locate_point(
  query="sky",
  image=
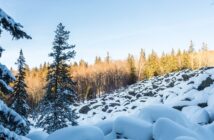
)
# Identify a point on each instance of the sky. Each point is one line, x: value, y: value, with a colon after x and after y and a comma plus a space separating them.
x: 119, y: 27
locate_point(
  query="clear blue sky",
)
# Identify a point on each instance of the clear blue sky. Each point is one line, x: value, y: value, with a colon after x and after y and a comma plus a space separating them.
x: 117, y: 26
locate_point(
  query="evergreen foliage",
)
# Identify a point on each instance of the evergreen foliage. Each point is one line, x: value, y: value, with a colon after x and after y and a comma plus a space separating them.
x: 133, y: 75
x: 20, y: 97
x: 8, y: 117
x: 60, y: 94
x: 7, y: 23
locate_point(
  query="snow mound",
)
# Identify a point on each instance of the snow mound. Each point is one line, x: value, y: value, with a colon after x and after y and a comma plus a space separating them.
x: 37, y: 135
x: 185, y: 138
x: 132, y: 128
x: 196, y: 114
x: 166, y: 129
x: 154, y: 112
x: 77, y: 133
x: 105, y: 126
x: 154, y: 122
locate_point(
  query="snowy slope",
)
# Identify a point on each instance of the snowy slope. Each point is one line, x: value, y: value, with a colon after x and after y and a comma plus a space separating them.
x: 187, y: 91
x: 177, y: 106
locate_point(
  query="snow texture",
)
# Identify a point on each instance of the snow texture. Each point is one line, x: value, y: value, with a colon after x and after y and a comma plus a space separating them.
x: 177, y: 106
x: 37, y: 135
x: 77, y: 133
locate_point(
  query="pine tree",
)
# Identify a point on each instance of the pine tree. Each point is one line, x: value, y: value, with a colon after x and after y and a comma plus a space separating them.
x: 132, y: 69
x: 108, y: 58
x: 20, y: 97
x: 9, y: 119
x: 204, y: 47
x: 98, y: 60
x: 190, y: 54
x: 60, y: 93
x: 142, y: 61
x: 191, y: 47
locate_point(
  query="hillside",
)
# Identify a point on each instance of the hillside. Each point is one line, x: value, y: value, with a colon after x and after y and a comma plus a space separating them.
x: 180, y: 103
x: 178, y: 90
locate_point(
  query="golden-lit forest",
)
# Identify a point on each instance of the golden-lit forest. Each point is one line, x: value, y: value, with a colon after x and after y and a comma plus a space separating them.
x: 106, y: 75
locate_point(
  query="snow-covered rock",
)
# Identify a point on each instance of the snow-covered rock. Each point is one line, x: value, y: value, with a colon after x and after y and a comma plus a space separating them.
x: 166, y: 129
x: 154, y: 112
x: 196, y: 114
x: 77, y: 133
x: 177, y: 90
x: 177, y: 106
x: 132, y: 128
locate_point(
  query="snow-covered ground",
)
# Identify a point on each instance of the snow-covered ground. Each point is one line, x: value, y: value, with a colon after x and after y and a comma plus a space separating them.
x: 177, y: 106
x: 191, y: 92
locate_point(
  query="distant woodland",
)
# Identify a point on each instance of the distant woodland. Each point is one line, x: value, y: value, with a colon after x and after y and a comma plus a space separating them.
x: 106, y: 75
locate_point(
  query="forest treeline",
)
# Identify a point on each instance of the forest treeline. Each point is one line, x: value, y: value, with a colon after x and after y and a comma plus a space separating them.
x: 106, y: 75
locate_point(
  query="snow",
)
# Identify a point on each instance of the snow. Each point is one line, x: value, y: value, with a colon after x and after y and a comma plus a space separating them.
x: 9, y: 134
x: 8, y: 18
x: 184, y: 138
x: 106, y: 126
x: 10, y: 21
x: 150, y: 109
x: 211, y: 101
x: 6, y: 86
x: 158, y: 90
x: 10, y: 112
x: 166, y: 129
x: 158, y: 122
x: 37, y: 135
x: 6, y: 71
x: 133, y: 128
x: 77, y: 133
x: 196, y: 114
x: 6, y: 74
x: 154, y: 112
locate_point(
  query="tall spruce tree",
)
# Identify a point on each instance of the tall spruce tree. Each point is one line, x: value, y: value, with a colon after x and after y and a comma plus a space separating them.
x: 60, y: 93
x: 19, y: 100
x: 9, y: 119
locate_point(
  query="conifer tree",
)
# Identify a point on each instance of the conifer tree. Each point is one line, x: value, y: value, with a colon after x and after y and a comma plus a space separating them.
x: 19, y: 100
x: 132, y: 68
x: 98, y: 60
x: 9, y: 119
x: 108, y: 58
x: 204, y: 47
x: 191, y: 47
x: 60, y: 93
